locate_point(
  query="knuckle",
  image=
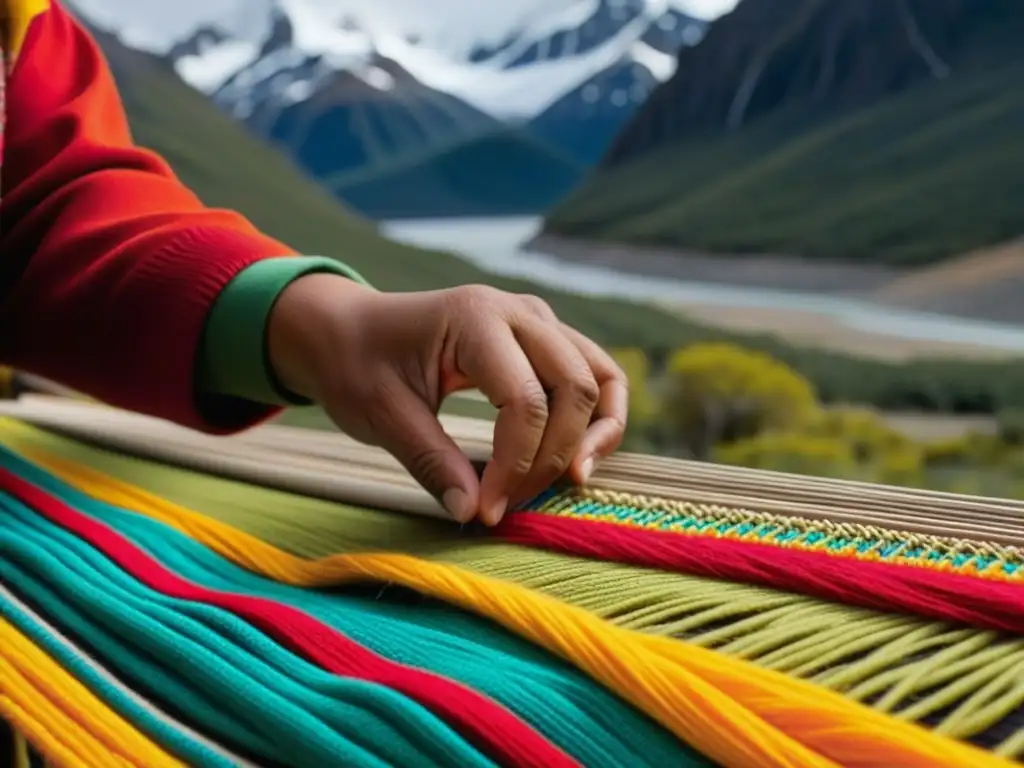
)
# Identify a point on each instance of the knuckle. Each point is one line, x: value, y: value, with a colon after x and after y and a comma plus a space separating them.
x: 584, y: 391
x: 557, y: 463
x: 522, y: 466
x: 475, y: 297
x: 537, y: 305
x: 427, y: 465
x: 532, y: 403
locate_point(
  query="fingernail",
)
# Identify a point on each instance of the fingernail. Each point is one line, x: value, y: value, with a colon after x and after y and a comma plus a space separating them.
x: 456, y: 501
x: 588, y: 469
x: 496, y: 512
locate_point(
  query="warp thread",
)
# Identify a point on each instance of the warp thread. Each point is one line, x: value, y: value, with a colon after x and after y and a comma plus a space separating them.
x: 60, y: 715
x: 298, y: 714
x: 173, y: 737
x: 591, y: 723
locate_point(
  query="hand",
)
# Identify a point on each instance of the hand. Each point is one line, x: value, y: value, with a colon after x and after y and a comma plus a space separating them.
x: 381, y: 364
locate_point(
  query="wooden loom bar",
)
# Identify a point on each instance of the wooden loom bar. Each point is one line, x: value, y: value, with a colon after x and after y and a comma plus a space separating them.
x: 306, y: 461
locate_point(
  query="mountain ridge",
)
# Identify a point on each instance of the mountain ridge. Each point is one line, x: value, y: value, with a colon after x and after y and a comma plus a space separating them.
x: 767, y: 55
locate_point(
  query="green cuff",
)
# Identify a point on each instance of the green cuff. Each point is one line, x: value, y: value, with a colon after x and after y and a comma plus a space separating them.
x: 234, y: 360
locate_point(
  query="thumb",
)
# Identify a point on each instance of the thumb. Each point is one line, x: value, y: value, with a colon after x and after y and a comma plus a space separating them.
x: 412, y: 434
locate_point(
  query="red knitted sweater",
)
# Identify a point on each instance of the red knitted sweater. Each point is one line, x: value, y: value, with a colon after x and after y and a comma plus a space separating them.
x: 108, y: 264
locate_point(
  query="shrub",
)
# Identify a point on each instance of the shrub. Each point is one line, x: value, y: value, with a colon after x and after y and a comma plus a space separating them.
x: 722, y: 393
x: 1011, y: 426
x: 952, y: 451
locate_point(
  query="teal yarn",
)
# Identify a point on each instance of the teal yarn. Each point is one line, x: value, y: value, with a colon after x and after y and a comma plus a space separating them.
x: 586, y: 720
x: 303, y: 715
x: 162, y: 732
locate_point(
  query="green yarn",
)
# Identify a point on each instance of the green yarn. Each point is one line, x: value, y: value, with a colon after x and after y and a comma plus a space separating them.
x: 910, y: 667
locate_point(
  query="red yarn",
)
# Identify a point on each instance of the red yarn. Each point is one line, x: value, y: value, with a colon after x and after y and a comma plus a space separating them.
x: 983, y: 603
x: 486, y: 724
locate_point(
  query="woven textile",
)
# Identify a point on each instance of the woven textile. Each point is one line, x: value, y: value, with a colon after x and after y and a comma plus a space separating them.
x: 156, y: 616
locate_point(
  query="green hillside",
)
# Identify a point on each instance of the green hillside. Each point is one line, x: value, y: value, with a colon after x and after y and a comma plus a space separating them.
x: 919, y: 169
x: 460, y: 177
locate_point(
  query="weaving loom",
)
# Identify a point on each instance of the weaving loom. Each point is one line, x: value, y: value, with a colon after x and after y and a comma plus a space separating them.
x: 289, y: 598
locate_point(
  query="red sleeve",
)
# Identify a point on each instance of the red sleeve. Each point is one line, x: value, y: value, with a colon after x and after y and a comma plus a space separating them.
x: 108, y: 264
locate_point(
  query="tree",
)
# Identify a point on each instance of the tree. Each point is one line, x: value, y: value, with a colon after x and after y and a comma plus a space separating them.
x: 722, y: 393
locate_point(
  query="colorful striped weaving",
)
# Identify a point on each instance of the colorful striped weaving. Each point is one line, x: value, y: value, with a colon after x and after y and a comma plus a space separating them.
x: 153, y: 616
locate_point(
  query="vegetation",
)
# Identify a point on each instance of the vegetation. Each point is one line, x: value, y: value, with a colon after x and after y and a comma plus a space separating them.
x: 720, y: 393
x: 723, y: 403
x: 923, y: 171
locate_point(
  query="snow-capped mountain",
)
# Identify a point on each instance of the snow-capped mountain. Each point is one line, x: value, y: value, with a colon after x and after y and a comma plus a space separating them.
x: 287, y: 43
x: 347, y: 100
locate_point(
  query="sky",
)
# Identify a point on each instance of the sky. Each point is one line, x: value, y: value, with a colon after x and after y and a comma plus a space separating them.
x: 143, y: 20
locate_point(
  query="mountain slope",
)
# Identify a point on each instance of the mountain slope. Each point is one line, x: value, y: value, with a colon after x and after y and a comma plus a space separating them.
x: 460, y: 178
x: 851, y: 129
x: 347, y: 113
x: 227, y: 167
x: 987, y: 283
x: 341, y: 98
x: 586, y: 119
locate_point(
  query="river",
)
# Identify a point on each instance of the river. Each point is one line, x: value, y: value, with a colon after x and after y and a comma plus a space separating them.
x: 495, y: 245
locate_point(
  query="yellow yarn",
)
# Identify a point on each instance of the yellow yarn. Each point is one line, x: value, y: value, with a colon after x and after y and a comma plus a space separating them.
x: 6, y: 383
x: 21, y: 756
x: 734, y: 712
x: 19, y: 15
x: 61, y: 717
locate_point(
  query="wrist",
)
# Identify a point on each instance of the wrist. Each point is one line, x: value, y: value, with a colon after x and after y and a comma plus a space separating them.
x: 306, y: 329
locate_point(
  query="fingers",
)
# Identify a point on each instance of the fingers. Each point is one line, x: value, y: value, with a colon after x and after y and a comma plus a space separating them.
x: 406, y: 427
x: 573, y: 394
x: 608, y: 427
x: 492, y: 358
x: 545, y: 392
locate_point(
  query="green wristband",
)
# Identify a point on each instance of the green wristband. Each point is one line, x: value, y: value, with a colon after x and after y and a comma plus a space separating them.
x: 234, y: 360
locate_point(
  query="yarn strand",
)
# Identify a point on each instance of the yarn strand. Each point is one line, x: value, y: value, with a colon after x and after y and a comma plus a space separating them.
x: 490, y: 727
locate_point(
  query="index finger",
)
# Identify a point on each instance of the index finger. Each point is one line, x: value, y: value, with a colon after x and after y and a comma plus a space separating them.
x: 500, y: 369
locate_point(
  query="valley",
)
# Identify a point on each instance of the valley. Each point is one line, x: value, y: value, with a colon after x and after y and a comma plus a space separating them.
x: 502, y: 127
